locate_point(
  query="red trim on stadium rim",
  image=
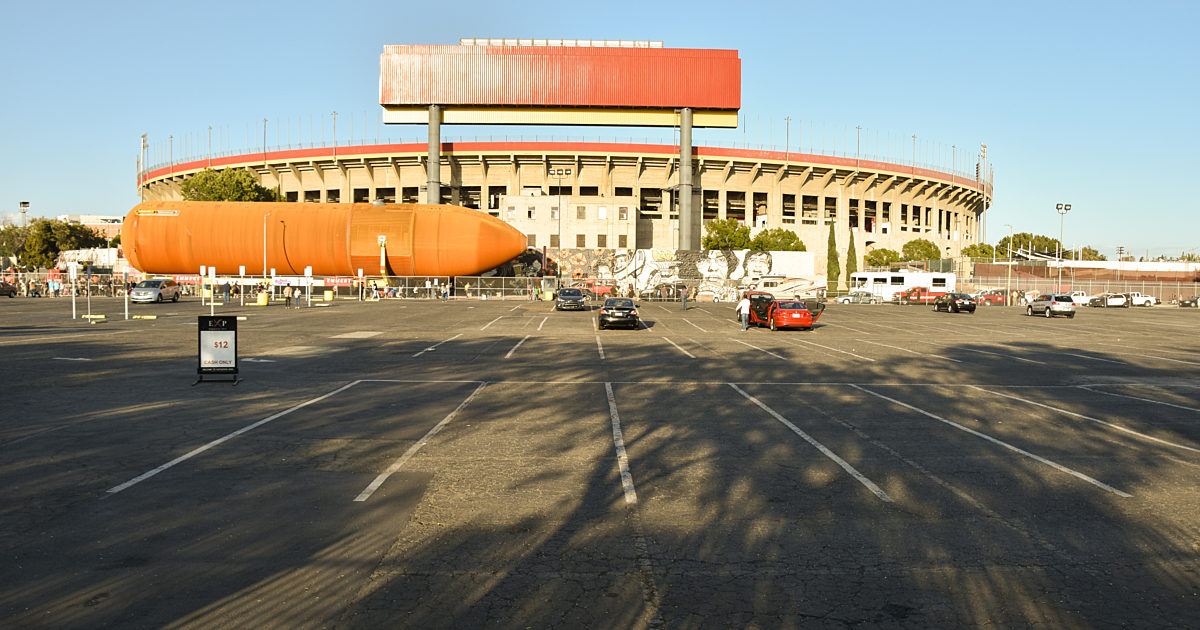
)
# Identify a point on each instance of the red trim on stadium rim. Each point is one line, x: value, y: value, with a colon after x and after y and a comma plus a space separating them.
x: 474, y: 148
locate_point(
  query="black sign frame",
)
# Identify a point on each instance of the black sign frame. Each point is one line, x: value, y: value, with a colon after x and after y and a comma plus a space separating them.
x: 216, y: 330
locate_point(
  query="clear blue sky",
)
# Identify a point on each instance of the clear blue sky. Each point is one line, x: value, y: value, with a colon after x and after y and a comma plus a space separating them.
x: 1088, y: 103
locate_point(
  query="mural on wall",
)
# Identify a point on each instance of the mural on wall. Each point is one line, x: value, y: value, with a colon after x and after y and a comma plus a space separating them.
x: 713, y: 274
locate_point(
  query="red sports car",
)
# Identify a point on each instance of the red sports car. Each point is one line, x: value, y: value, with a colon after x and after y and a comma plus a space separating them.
x: 775, y: 313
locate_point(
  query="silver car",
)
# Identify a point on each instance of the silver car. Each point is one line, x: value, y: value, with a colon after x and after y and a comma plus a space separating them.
x: 155, y: 290
x: 1050, y: 305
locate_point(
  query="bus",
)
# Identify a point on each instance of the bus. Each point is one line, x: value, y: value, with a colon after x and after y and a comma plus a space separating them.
x: 886, y: 284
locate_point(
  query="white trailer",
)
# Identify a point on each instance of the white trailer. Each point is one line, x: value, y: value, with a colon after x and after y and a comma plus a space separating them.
x: 886, y: 284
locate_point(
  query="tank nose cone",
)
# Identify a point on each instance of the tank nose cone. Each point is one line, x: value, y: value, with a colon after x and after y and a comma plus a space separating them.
x: 499, y: 243
x: 463, y: 242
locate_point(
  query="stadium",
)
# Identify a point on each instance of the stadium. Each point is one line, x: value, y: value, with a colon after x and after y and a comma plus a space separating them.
x: 605, y: 194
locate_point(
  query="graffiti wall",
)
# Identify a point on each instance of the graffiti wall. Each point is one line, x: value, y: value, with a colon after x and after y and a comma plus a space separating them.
x: 714, y: 274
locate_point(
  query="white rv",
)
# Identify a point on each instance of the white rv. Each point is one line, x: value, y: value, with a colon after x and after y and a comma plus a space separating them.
x: 886, y: 284
x: 783, y: 287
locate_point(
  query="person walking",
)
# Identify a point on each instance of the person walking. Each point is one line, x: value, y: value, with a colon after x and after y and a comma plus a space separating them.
x: 287, y: 297
x: 743, y: 311
x: 683, y: 293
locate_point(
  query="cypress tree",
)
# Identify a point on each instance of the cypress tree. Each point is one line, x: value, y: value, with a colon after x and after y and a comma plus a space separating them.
x: 832, y: 268
x: 851, y: 259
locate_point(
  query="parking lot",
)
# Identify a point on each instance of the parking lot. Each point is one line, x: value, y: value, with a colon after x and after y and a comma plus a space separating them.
x: 495, y: 463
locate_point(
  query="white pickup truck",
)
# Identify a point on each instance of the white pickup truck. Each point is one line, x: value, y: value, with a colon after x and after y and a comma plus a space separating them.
x: 1139, y: 299
x: 1080, y: 298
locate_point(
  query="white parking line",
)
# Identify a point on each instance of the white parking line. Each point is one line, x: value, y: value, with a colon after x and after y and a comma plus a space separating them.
x: 870, y: 485
x: 650, y: 595
x: 412, y: 450
x: 1007, y: 356
x: 543, y: 322
x: 514, y: 348
x: 760, y: 349
x: 690, y: 322
x: 1002, y: 443
x: 250, y: 427
x: 434, y: 346
x: 1157, y: 402
x: 492, y: 322
x: 599, y: 347
x: 51, y: 338
x: 619, y: 442
x: 1084, y: 356
x: 862, y: 332
x: 689, y: 354
x: 515, y: 308
x: 911, y: 351
x: 1096, y: 420
x: 830, y: 349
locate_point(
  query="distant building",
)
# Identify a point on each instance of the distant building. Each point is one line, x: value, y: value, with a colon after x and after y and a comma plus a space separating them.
x: 108, y: 227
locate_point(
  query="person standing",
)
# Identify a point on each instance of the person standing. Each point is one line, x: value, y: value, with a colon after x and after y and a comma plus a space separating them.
x: 296, y: 295
x: 683, y: 293
x: 287, y: 297
x: 743, y: 311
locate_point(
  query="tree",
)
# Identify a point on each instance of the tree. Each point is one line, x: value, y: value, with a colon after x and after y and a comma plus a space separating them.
x: 1026, y: 241
x: 921, y: 249
x: 851, y: 257
x: 12, y: 239
x: 226, y: 185
x: 777, y: 240
x: 881, y: 257
x: 833, y: 270
x: 47, y: 238
x: 978, y: 250
x: 727, y: 234
x: 115, y: 242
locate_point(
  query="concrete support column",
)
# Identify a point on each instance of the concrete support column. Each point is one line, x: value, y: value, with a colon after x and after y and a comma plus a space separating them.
x: 433, y: 168
x: 689, y: 238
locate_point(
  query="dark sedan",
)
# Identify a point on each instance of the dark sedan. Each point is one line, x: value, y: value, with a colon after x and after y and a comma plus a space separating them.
x: 570, y: 299
x: 618, y: 312
x: 8, y: 289
x: 1190, y: 302
x: 955, y: 303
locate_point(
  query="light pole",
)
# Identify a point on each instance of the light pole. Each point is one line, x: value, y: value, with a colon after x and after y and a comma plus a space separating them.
x: 787, y: 139
x: 858, y: 146
x: 558, y: 174
x: 1063, y: 209
x: 1008, y: 277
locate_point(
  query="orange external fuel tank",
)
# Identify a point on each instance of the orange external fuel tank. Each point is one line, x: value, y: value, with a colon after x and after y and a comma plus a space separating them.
x: 335, y: 239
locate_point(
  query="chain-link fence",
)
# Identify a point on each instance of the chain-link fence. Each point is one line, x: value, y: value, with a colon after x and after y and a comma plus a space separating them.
x: 1164, y: 292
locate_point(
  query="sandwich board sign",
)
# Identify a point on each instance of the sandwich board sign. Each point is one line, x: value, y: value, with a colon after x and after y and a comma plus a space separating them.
x: 217, y: 349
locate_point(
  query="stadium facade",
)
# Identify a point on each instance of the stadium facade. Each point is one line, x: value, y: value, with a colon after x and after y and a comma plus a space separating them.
x: 625, y: 195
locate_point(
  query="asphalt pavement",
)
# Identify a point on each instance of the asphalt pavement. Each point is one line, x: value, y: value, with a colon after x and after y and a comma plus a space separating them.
x: 492, y: 463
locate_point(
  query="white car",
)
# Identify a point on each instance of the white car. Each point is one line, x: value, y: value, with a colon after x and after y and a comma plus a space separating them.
x: 1139, y: 299
x: 859, y: 297
x: 1105, y: 300
x: 1080, y: 298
